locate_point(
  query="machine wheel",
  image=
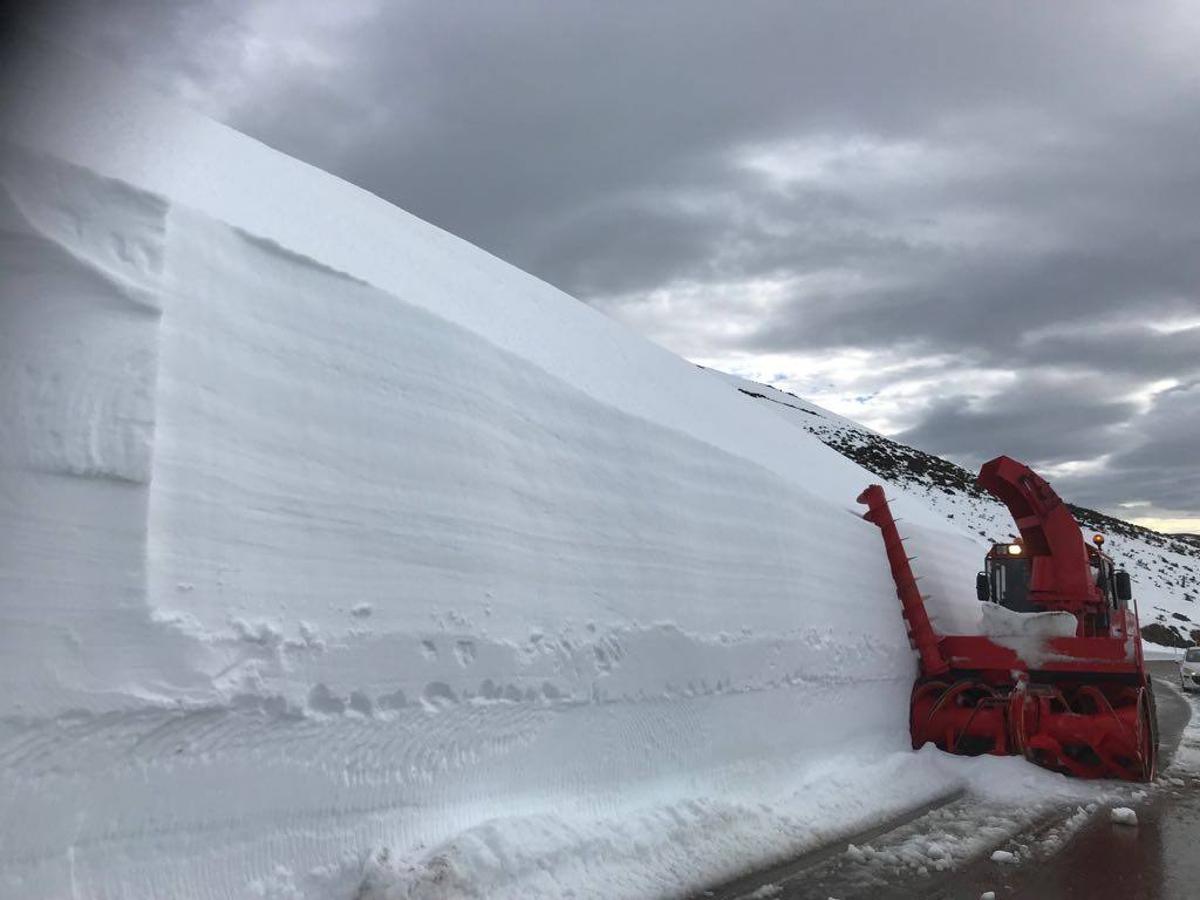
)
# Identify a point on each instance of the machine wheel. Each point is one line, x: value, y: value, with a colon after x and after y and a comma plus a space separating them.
x: 1153, y: 714
x: 1146, y: 761
x: 1148, y: 736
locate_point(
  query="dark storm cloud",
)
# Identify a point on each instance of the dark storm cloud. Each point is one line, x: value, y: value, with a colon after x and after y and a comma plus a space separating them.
x: 1004, y: 187
x: 985, y: 303
x: 1163, y: 459
x: 1132, y: 350
x: 517, y: 116
x: 1073, y: 413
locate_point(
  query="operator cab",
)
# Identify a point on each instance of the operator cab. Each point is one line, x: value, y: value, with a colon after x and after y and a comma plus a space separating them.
x: 1005, y: 579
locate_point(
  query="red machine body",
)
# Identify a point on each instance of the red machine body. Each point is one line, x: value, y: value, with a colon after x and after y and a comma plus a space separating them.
x: 1078, y: 703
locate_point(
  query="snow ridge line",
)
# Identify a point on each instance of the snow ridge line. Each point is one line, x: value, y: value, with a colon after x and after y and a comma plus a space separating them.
x: 112, y: 228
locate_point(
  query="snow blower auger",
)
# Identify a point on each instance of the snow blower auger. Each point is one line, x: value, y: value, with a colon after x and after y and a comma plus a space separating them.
x: 1074, y: 699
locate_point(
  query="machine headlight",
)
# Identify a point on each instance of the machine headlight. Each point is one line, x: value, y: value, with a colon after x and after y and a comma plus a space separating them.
x: 1014, y: 549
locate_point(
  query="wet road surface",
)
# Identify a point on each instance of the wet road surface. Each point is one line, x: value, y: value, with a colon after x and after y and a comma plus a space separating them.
x: 1159, y: 859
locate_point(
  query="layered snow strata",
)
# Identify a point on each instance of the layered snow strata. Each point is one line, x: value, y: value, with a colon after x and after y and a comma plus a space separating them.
x: 341, y: 551
x: 79, y: 316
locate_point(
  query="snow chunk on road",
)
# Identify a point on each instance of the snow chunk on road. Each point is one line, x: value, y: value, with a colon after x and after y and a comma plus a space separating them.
x: 1123, y: 815
x: 1003, y: 856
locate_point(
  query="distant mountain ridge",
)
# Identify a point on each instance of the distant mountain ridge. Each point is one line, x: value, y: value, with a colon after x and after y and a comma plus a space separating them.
x: 1165, y: 567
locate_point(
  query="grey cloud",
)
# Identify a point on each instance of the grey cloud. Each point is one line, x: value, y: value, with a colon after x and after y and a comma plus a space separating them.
x: 1177, y: 435
x: 1037, y: 419
x: 513, y: 114
x: 987, y: 301
x: 658, y: 240
x: 1161, y: 465
x: 1130, y: 350
x: 1052, y: 182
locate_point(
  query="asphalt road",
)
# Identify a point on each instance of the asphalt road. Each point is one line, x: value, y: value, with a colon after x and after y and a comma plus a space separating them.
x: 1158, y: 859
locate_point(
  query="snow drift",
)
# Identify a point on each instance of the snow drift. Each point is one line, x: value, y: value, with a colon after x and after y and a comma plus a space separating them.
x: 342, y: 559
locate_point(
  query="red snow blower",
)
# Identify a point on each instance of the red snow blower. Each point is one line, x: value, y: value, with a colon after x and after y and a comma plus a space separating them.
x: 1079, y: 703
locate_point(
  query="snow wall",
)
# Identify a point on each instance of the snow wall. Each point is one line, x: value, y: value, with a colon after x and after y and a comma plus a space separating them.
x: 342, y: 559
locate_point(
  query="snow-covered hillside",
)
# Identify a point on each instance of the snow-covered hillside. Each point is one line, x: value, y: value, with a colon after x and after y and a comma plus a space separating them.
x: 1165, y: 568
x: 342, y: 559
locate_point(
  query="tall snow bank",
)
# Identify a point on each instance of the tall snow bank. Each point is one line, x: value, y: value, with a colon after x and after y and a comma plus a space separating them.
x: 342, y: 557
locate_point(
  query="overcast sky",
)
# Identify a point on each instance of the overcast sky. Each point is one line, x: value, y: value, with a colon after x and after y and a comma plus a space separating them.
x: 974, y: 226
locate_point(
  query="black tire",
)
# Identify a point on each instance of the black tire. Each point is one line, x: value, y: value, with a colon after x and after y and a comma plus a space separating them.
x: 1153, y: 713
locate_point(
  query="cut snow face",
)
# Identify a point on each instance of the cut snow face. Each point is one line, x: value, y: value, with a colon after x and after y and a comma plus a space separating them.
x: 344, y: 560
x: 348, y: 557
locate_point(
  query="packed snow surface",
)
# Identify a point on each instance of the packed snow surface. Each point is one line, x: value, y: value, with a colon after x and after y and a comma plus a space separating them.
x: 1026, y: 634
x: 1000, y: 622
x: 342, y: 559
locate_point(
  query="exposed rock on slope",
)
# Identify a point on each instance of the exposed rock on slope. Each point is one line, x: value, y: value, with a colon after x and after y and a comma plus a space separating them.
x: 1165, y: 567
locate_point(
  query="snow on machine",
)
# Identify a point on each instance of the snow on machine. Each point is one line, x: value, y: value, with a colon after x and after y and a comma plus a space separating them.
x: 1059, y: 676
